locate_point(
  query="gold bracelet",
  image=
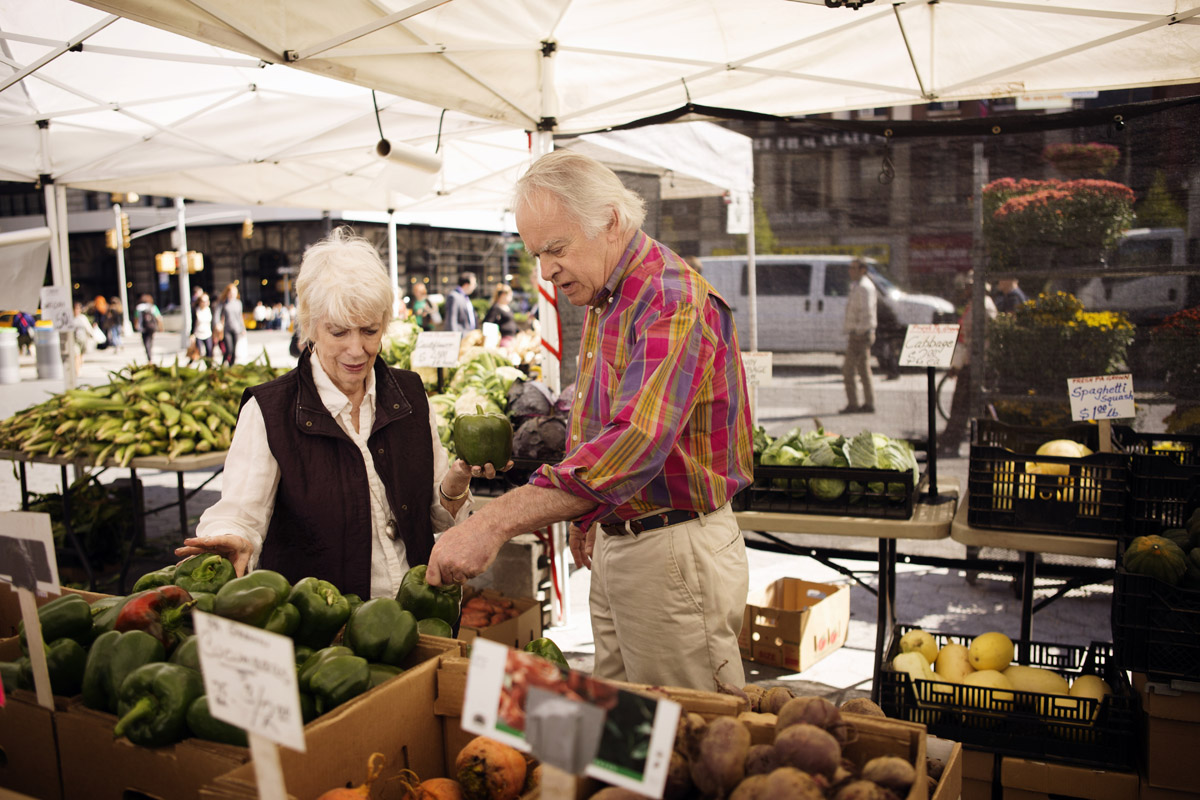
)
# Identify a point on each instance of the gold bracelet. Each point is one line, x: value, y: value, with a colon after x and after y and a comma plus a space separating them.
x: 454, y: 498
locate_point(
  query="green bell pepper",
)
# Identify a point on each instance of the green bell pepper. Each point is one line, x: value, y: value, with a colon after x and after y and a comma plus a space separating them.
x: 284, y: 620
x: 65, y: 661
x: 12, y: 674
x: 205, y: 601
x: 381, y: 631
x: 354, y: 600
x: 308, y: 708
x: 425, y: 601
x: 337, y: 680
x: 113, y: 656
x: 153, y: 703
x: 105, y: 613
x: 433, y: 626
x: 206, y: 572
x: 323, y: 611
x: 187, y: 654
x: 306, y: 670
x: 548, y: 650
x: 66, y: 617
x: 152, y: 580
x: 382, y: 672
x: 483, y: 438
x: 301, y: 654
x: 204, y: 725
x: 252, y: 598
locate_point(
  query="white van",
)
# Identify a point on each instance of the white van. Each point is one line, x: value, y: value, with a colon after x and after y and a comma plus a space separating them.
x: 1146, y: 300
x: 802, y: 301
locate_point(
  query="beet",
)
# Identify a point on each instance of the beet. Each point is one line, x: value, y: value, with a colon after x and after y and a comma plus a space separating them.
x: 863, y: 790
x: 806, y: 747
x: 861, y: 705
x: 720, y: 763
x: 891, y: 772
x: 815, y: 711
x: 761, y: 759
x: 784, y: 783
x: 688, y: 732
x: 754, y: 693
x: 679, y: 778
x: 616, y: 793
x: 774, y: 699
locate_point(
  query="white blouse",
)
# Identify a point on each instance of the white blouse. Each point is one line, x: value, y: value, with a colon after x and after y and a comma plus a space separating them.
x: 251, y: 478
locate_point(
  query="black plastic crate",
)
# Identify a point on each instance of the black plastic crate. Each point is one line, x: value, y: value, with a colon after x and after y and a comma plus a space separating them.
x: 1024, y: 724
x: 522, y: 468
x: 1156, y: 626
x: 1089, y: 496
x: 1164, y: 478
x: 881, y: 493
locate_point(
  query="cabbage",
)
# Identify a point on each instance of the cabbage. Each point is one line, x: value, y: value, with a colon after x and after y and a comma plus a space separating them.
x: 823, y: 455
x: 784, y: 456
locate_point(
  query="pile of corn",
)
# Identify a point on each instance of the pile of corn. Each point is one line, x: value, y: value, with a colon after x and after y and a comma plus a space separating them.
x: 146, y: 410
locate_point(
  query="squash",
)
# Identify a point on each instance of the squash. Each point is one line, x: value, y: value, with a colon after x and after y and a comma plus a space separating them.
x: 1191, y: 578
x: 1179, y: 536
x: 1156, y: 557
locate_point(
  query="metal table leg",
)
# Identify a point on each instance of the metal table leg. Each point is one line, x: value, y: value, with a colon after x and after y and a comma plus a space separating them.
x: 24, y: 487
x: 183, y: 519
x: 1028, y: 575
x: 139, y: 528
x: 884, y: 604
x: 70, y: 529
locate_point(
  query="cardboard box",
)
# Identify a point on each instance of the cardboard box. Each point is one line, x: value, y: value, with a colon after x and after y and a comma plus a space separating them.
x: 1171, y: 726
x: 978, y: 769
x: 1167, y: 702
x: 516, y: 632
x: 28, y: 748
x: 1148, y: 792
x: 949, y: 786
x: 794, y: 624
x: 1025, y: 779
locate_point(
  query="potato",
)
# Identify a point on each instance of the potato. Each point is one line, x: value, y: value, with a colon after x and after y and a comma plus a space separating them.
x: 774, y: 699
x: 761, y: 759
x: 890, y: 772
x: 861, y: 705
x: 720, y: 762
x: 815, y: 711
x: 688, y: 732
x: 863, y: 790
x: 806, y: 747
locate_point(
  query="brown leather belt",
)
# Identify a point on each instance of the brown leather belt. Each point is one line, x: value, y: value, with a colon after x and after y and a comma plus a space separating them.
x: 636, y: 526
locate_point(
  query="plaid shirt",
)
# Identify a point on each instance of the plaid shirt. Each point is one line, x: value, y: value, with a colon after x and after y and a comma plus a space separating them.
x: 660, y: 418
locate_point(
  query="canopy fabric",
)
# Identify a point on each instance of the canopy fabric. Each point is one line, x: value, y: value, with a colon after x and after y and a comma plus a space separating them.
x: 23, y: 257
x: 584, y: 65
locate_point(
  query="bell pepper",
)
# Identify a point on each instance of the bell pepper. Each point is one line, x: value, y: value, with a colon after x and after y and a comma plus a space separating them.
x: 252, y: 598
x: 160, y: 612
x: 206, y: 572
x: 425, y: 601
x: 433, y: 626
x: 66, y: 617
x: 284, y: 620
x: 204, y: 725
x: 548, y: 650
x: 381, y: 631
x: 105, y: 612
x: 154, y: 579
x: 301, y: 654
x: 354, y: 600
x: 205, y: 601
x: 153, y: 703
x: 338, y: 679
x: 12, y: 675
x: 483, y: 438
x: 113, y: 656
x: 308, y: 708
x: 187, y: 654
x: 65, y: 661
x: 382, y: 672
x: 306, y: 670
x: 323, y: 611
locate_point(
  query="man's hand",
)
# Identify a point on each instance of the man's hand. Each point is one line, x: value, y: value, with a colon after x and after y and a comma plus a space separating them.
x: 582, y: 543
x: 230, y: 545
x: 461, y: 553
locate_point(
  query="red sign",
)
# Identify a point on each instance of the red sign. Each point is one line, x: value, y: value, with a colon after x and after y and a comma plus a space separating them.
x: 939, y: 254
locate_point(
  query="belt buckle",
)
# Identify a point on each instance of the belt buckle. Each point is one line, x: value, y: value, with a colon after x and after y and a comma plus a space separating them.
x: 628, y: 526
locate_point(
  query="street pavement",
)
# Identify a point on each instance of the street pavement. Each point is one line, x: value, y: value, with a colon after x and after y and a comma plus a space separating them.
x: 804, y: 391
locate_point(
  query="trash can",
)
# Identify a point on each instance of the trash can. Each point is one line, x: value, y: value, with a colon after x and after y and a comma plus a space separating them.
x: 49, y: 353
x: 9, y: 356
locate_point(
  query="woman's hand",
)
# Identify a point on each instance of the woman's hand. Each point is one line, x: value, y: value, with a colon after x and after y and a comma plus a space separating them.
x: 459, y: 477
x: 233, y: 547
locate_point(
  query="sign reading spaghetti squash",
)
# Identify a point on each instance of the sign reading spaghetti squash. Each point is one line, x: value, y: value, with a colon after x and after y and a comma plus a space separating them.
x: 1101, y: 397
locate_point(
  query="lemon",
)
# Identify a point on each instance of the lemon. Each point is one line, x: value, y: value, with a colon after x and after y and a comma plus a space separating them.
x: 991, y: 651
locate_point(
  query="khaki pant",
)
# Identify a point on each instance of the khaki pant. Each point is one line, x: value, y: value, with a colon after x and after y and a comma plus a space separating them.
x: 858, y: 362
x: 667, y: 604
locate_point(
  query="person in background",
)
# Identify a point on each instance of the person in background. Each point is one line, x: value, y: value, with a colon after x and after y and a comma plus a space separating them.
x: 261, y: 316
x: 960, y: 368
x: 336, y: 470
x: 501, y: 313
x: 230, y: 325
x: 423, y: 309
x: 659, y: 432
x: 116, y: 323
x: 98, y: 311
x: 202, y: 330
x: 859, y: 325
x: 84, y: 333
x: 1009, y: 296
x: 24, y: 324
x: 460, y: 314
x: 149, y: 322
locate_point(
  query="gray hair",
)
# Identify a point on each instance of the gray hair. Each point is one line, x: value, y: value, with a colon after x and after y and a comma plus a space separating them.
x: 342, y: 280
x: 589, y: 192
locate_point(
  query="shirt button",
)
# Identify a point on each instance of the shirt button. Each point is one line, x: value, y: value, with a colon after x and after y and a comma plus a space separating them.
x: 380, y: 451
x: 395, y: 405
x: 576, y: 437
x: 403, y: 507
x: 308, y: 424
x: 589, y: 355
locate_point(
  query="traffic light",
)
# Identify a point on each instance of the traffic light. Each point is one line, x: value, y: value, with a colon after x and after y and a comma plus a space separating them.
x: 110, y: 238
x: 125, y: 240
x: 247, y: 228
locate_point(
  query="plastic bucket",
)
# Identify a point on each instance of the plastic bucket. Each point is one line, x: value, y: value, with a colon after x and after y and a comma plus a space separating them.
x: 49, y: 353
x: 9, y: 356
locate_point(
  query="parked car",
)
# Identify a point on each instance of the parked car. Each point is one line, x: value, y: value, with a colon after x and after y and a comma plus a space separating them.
x: 802, y: 302
x: 1146, y: 300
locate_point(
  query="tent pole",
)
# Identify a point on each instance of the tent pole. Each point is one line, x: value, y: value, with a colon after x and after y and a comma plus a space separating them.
x: 126, y: 328
x: 66, y: 338
x: 752, y: 288
x: 394, y: 265
x: 181, y: 269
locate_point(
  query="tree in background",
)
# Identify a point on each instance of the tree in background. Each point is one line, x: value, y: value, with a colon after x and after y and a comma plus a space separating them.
x: 1159, y: 209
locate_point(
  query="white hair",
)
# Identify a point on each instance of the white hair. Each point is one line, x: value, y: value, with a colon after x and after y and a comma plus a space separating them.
x: 589, y: 192
x: 342, y: 281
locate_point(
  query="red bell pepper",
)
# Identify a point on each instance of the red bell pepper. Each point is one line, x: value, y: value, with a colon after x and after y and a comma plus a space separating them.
x: 160, y: 612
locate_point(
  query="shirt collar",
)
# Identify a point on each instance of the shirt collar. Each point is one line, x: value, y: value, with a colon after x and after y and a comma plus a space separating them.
x: 634, y: 254
x: 331, y: 396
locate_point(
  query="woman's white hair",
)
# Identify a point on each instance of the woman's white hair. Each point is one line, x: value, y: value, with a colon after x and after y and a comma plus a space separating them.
x: 342, y: 281
x: 589, y: 192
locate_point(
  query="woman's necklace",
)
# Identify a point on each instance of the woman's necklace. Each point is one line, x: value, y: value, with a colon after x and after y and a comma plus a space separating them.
x: 389, y: 527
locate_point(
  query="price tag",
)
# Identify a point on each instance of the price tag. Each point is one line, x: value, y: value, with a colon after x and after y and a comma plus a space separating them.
x: 436, y: 349
x: 499, y: 703
x: 56, y: 305
x: 1101, y: 397
x: 757, y: 366
x: 27, y: 552
x: 929, y: 346
x: 250, y: 679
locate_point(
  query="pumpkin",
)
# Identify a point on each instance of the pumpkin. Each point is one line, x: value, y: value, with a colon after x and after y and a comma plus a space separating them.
x: 1179, y: 536
x: 1156, y: 557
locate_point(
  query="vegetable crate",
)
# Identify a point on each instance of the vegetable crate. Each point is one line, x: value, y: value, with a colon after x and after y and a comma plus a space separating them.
x: 1156, y: 626
x: 1010, y: 487
x: 841, y: 491
x: 1164, y: 478
x: 1078, y: 730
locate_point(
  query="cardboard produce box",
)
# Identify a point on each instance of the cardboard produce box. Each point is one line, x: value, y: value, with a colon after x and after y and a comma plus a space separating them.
x: 978, y: 771
x: 28, y: 748
x: 516, y: 632
x: 1171, y: 726
x: 794, y: 623
x: 1025, y: 779
x: 949, y: 786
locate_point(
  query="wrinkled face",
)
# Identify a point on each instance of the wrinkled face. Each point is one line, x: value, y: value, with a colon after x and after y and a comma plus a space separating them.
x: 347, y: 354
x: 578, y: 266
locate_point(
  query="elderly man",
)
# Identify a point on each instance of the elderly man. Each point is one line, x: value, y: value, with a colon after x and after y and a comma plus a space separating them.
x: 859, y: 326
x: 659, y: 439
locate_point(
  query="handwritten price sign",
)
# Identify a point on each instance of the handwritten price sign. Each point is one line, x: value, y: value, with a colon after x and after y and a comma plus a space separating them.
x: 929, y: 346
x: 757, y: 366
x: 436, y: 349
x: 250, y: 679
x: 1101, y: 397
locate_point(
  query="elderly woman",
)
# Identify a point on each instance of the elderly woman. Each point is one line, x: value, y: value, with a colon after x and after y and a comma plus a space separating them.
x: 336, y: 470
